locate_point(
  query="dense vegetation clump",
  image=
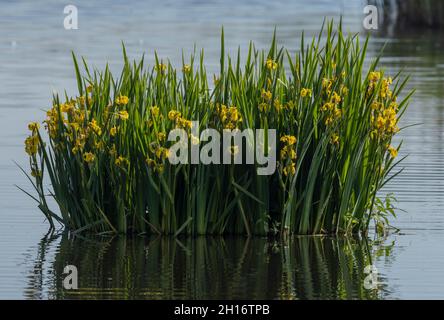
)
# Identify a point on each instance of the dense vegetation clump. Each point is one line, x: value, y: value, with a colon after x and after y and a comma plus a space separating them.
x: 106, y: 154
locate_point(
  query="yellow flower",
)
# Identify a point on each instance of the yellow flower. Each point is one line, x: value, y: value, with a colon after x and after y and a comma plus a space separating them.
x: 325, y: 83
x: 337, y: 112
x: 186, y: 68
x: 290, y: 169
x: 173, y: 115
x: 161, y: 136
x: 380, y: 122
x: 271, y: 64
x: 376, y: 105
x: 288, y: 152
x: 393, y: 151
x: 374, y: 76
x: 292, y: 154
x: 229, y: 116
x: 277, y: 105
x: 36, y: 173
x: 263, y: 107
x: 267, y: 95
x: 183, y: 123
x: 121, y: 162
x: 385, y: 90
x: 89, y: 88
x: 283, y: 153
x: 89, y: 157
x: 288, y: 140
x: 305, y: 92
x: 234, y: 114
x: 95, y: 127
x: 81, y: 100
x: 334, y: 139
x: 335, y: 99
x: 161, y: 67
x: 327, y: 106
x: 122, y: 100
x: 393, y: 105
x: 162, y: 153
x: 123, y: 115
x: 155, y: 111
x: 31, y: 145
x: 289, y: 105
x: 328, y: 121
x: 66, y: 107
x: 390, y: 114
x: 33, y: 126
x: 78, y: 146
x: 113, y: 131
x: 392, y: 127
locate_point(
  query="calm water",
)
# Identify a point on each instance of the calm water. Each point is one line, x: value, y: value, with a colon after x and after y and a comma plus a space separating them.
x: 35, y: 60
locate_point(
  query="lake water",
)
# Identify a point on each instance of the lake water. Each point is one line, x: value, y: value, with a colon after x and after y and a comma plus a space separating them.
x: 35, y: 60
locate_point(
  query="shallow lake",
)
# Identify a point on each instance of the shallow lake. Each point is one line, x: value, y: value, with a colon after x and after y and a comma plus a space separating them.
x: 35, y: 59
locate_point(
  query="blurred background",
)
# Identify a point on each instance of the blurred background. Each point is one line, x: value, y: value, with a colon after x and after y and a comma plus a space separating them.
x: 35, y: 61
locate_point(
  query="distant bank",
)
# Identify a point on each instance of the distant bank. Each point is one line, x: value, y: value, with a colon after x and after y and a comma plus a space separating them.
x: 405, y: 14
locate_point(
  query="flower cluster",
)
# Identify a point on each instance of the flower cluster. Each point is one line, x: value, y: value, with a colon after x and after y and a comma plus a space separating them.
x: 374, y: 78
x: 230, y: 117
x: 180, y: 121
x: 122, y: 100
x: 332, y: 110
x: 384, y: 109
x: 157, y: 157
x: 271, y: 64
x: 71, y: 125
x: 122, y: 162
x: 32, y: 144
x: 288, y: 154
x: 305, y: 92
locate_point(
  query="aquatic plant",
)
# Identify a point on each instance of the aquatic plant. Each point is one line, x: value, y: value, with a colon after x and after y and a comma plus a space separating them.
x: 106, y: 155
